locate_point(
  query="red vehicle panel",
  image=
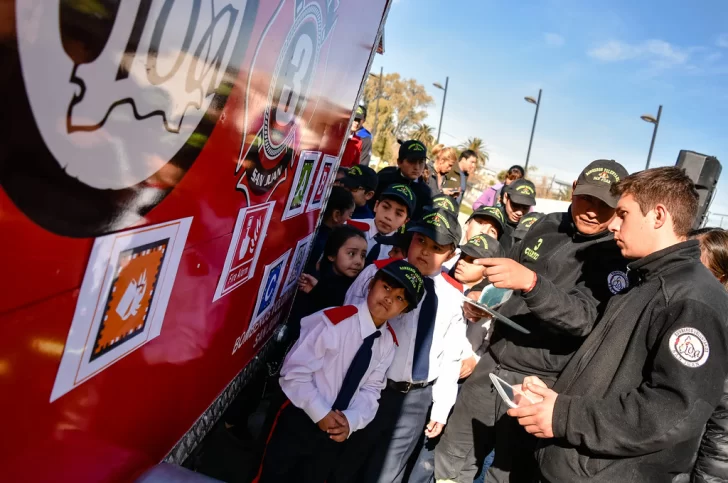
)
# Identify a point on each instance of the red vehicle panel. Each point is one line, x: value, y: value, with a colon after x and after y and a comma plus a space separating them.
x: 164, y: 165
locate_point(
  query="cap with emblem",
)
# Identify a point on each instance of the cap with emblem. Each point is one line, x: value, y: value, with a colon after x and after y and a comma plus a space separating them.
x: 441, y: 226
x: 483, y: 246
x: 597, y: 179
x: 409, y: 277
x: 492, y: 213
x: 522, y: 192
x: 444, y: 202
x: 525, y: 224
x: 360, y: 113
x: 402, y: 193
x: 412, y: 150
x: 360, y: 177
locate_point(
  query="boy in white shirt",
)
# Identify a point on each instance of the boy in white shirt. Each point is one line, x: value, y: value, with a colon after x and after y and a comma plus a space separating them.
x: 391, y: 212
x: 333, y: 377
x: 422, y: 380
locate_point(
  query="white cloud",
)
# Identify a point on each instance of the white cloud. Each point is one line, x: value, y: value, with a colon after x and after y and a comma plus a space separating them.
x: 722, y: 41
x: 657, y: 52
x: 554, y: 40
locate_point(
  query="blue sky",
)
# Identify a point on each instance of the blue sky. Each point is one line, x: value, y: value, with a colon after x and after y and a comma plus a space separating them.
x: 600, y: 66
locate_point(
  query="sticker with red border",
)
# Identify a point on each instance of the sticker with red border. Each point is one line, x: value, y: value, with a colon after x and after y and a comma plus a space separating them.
x: 249, y: 234
x: 300, y: 255
x: 689, y: 346
x: 122, y: 301
x: 322, y: 182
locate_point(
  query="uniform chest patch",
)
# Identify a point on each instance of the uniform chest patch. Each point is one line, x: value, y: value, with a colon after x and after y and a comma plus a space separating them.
x: 617, y: 281
x: 689, y: 346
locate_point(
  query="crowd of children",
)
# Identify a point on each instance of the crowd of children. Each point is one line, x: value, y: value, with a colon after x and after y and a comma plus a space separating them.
x: 382, y: 343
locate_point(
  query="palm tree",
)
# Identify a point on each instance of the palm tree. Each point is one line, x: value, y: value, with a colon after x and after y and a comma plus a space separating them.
x: 423, y: 133
x: 478, y: 146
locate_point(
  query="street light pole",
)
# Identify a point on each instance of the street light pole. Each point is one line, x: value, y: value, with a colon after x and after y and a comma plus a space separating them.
x: 442, y: 111
x: 533, y: 129
x: 376, y: 108
x: 656, y: 122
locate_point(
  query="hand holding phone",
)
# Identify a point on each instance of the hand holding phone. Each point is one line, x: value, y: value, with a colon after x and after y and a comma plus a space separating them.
x: 513, y: 396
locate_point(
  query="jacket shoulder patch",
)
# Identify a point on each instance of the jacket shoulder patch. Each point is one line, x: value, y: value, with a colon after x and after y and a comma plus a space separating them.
x: 383, y: 263
x: 689, y: 346
x: 360, y: 225
x: 394, y: 336
x: 337, y: 314
x: 452, y: 282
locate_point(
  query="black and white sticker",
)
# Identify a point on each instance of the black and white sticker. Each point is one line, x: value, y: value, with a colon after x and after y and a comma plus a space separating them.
x: 617, y: 281
x: 689, y: 346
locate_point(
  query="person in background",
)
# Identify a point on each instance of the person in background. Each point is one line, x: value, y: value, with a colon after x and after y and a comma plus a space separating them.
x: 493, y: 195
x: 422, y: 381
x: 360, y: 117
x: 410, y: 164
x: 392, y: 211
x: 333, y: 377
x: 341, y: 263
x: 711, y: 466
x: 355, y: 145
x: 566, y: 272
x: 442, y: 165
x: 338, y: 211
x: 632, y: 403
x: 457, y: 178
x: 362, y: 182
x: 518, y: 198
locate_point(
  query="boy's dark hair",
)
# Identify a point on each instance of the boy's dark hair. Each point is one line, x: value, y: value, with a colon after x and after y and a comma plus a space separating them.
x: 392, y: 282
x: 468, y: 153
x: 669, y: 186
x: 337, y: 238
x: 340, y: 199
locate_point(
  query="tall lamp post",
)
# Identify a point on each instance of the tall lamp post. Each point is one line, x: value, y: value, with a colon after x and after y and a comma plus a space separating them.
x: 379, y: 96
x: 537, y: 102
x: 444, y: 98
x: 656, y: 122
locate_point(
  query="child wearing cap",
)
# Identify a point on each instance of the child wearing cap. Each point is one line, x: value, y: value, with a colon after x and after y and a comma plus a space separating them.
x: 410, y: 166
x: 518, y: 198
x: 333, y: 377
x: 422, y: 381
x: 486, y: 220
x: 361, y: 181
x: 399, y: 243
x: 338, y: 211
x: 444, y: 202
x: 393, y: 209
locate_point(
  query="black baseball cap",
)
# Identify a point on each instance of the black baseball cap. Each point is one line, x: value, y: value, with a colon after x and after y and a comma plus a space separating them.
x: 409, y: 277
x: 360, y: 113
x: 360, y: 177
x: 401, y: 193
x: 444, y: 202
x: 522, y: 192
x: 441, y: 226
x: 412, y: 150
x: 597, y: 179
x: 525, y: 224
x: 492, y: 213
x: 400, y: 238
x: 482, y: 246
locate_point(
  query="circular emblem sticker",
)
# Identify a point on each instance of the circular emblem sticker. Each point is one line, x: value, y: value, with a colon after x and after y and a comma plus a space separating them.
x: 689, y: 346
x: 617, y: 281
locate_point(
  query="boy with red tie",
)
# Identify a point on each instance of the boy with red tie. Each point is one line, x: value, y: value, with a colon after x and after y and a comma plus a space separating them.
x: 333, y: 377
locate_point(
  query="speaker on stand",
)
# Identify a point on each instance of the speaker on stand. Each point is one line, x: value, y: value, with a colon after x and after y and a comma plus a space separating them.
x: 705, y: 171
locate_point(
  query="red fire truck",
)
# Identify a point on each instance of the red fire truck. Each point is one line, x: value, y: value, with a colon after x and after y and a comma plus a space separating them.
x: 164, y: 166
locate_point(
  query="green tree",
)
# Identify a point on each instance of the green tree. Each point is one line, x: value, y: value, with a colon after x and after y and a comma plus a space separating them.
x: 478, y: 146
x: 502, y: 175
x: 424, y: 133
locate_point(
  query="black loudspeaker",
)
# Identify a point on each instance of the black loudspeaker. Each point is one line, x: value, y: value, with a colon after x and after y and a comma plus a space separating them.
x: 704, y: 171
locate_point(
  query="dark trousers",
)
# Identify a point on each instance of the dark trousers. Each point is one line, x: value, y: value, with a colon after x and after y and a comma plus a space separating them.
x: 478, y: 425
x: 379, y: 452
x: 298, y: 450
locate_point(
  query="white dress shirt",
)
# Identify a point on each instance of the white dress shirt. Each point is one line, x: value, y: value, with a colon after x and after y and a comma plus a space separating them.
x: 314, y: 369
x: 447, y: 341
x: 370, y: 232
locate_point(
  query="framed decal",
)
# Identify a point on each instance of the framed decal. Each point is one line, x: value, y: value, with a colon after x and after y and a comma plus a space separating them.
x: 123, y: 299
x: 322, y: 182
x: 300, y: 255
x: 269, y: 285
x: 302, y: 182
x: 249, y: 233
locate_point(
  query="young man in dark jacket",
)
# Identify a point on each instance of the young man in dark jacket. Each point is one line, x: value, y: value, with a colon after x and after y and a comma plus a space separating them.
x: 567, y: 269
x: 632, y: 403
